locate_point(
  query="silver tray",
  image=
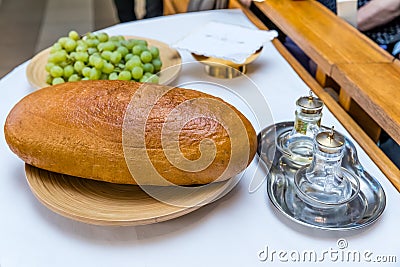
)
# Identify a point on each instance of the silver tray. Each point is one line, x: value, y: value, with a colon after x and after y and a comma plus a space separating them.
x: 365, y: 209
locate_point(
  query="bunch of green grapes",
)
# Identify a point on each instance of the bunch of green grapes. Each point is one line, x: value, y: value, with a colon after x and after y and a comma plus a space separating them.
x: 102, y: 57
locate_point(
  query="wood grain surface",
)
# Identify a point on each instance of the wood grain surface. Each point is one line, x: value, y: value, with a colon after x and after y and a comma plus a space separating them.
x: 108, y: 204
x: 353, y: 127
x: 376, y: 87
x: 322, y: 35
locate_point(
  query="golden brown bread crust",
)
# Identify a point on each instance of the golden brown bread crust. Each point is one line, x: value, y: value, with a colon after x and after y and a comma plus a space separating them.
x: 76, y: 129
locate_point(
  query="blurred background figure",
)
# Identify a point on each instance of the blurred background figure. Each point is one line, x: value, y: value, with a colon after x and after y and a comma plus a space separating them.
x: 31, y: 26
x: 126, y: 9
x: 200, y: 5
x: 378, y: 19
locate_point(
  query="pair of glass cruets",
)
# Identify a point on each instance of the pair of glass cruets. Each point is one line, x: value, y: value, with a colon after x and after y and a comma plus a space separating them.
x: 312, y: 155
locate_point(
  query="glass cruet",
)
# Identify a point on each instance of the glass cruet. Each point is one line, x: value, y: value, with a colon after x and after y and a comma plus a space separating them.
x: 324, y: 180
x: 297, y: 145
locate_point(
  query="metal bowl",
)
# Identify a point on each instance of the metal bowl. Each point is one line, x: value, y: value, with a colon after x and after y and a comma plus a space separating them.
x: 225, y: 69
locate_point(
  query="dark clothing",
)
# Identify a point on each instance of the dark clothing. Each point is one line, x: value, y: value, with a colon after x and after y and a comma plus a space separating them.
x: 392, y: 150
x: 385, y: 35
x: 126, y: 9
x: 388, y: 37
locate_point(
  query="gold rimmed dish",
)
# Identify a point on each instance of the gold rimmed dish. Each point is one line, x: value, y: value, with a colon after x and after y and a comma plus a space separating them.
x: 225, y: 69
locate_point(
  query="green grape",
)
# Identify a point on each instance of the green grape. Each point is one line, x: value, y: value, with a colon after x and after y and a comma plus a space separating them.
x: 137, y: 73
x: 68, y: 71
x: 57, y: 80
x: 63, y: 64
x: 93, y: 59
x: 74, y: 35
x: 147, y: 75
x: 124, y: 75
x: 146, y: 57
x: 148, y: 67
x: 133, y: 62
x: 78, y: 66
x: 58, y: 56
x: 134, y: 42
x: 49, y: 66
x: 113, y: 38
x: 129, y: 44
x: 115, y: 57
x: 56, y: 71
x: 100, y: 47
x: 72, y: 55
x: 157, y: 64
x: 100, y: 56
x: 98, y: 63
x: 85, y: 79
x: 69, y: 45
x: 74, y: 78
x: 106, y: 55
x: 142, y: 42
x: 90, y: 35
x: 155, y: 52
x: 51, y: 59
x: 108, y: 46
x: 56, y: 47
x: 94, y: 74
x: 154, y: 79
x: 113, y: 76
x: 86, y: 71
x: 49, y: 79
x: 92, y: 42
x: 117, y: 38
x: 82, y: 56
x: 102, y: 36
x: 137, y: 50
x: 127, y: 57
x: 81, y: 47
x: 62, y: 41
x: 92, y: 50
x: 108, y: 68
x: 122, y: 50
x: 136, y: 57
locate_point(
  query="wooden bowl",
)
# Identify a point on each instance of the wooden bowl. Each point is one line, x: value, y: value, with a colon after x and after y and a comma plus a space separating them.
x: 106, y: 204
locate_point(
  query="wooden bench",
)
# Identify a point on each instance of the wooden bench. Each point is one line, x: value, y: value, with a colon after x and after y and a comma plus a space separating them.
x: 367, y: 76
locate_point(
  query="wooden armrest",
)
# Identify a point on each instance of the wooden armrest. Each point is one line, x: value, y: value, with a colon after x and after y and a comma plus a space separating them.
x: 346, y: 78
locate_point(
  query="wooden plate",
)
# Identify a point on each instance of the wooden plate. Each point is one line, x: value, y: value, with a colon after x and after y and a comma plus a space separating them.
x: 102, y: 203
x: 170, y: 58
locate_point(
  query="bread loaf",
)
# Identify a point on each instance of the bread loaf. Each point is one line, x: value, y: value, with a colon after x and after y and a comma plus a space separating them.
x: 114, y: 131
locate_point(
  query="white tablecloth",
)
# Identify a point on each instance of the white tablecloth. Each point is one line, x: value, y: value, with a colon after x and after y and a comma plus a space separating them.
x: 230, y: 232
